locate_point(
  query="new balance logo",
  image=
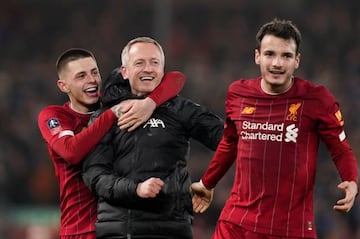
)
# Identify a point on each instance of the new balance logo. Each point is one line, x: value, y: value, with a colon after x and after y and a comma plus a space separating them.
x: 248, y: 110
x: 154, y: 123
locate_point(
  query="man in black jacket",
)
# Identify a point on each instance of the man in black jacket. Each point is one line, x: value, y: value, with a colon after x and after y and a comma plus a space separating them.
x: 141, y: 177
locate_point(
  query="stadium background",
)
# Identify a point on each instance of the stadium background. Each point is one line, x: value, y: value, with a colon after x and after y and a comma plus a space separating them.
x: 211, y: 41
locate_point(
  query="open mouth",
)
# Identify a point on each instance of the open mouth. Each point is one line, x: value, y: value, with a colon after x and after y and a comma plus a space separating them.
x: 146, y: 78
x: 92, y: 91
x: 277, y: 72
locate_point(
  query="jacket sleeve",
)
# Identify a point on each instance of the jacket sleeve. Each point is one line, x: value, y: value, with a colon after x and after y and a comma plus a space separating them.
x: 98, y: 174
x: 203, y: 125
x: 115, y: 89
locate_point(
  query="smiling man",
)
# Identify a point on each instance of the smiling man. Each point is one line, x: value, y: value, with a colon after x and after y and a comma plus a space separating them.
x: 141, y: 177
x: 64, y: 129
x: 143, y: 66
x: 274, y: 124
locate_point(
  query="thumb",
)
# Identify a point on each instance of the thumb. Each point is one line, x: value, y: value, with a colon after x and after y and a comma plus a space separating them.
x: 342, y: 185
x: 196, y: 187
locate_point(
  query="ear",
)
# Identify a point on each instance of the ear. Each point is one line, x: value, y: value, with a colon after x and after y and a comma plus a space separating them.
x: 62, y: 86
x: 124, y: 72
x: 257, y: 56
x: 297, y: 59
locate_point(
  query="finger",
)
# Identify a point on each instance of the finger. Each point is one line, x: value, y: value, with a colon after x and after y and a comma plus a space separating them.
x: 196, y: 200
x: 125, y: 106
x: 157, y: 183
x: 152, y: 194
x: 197, y: 208
x: 342, y: 201
x: 343, y: 205
x: 127, y: 125
x: 125, y: 120
x: 193, y: 200
x: 134, y: 126
x: 204, y: 208
x: 156, y: 188
x: 199, y: 205
x: 154, y: 191
x: 342, y: 208
x: 196, y: 203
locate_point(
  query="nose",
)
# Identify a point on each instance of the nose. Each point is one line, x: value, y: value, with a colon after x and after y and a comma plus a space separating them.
x: 148, y: 67
x: 277, y: 61
x: 92, y: 78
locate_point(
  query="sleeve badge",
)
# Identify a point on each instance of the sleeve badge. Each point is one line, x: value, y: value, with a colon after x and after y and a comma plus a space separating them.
x: 54, y: 126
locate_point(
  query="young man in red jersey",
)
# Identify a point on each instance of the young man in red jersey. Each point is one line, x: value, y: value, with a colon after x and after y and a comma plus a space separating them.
x: 64, y: 129
x: 272, y: 131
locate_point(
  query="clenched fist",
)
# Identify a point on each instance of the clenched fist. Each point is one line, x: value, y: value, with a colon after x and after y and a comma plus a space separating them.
x: 149, y: 188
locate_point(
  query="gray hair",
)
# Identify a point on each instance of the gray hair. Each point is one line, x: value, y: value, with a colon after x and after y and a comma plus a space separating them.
x: 125, y: 51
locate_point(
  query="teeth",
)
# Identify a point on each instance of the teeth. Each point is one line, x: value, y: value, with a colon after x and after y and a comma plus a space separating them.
x: 93, y: 89
x: 146, y: 78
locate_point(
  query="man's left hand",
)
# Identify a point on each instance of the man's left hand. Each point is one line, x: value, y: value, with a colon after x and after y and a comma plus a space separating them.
x: 351, y: 190
x: 135, y: 113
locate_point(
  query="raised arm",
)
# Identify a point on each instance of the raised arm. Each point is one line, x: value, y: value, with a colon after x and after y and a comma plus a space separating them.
x: 136, y: 112
x: 64, y: 141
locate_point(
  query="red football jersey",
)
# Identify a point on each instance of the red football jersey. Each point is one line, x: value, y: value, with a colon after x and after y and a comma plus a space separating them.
x: 68, y: 143
x: 274, y: 141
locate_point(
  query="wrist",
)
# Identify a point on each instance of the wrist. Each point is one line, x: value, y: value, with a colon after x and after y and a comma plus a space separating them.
x: 356, y: 186
x: 116, y: 109
x: 202, y: 185
x: 150, y: 103
x: 138, y: 189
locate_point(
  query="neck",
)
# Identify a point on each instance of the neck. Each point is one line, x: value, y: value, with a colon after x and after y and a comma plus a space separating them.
x: 85, y: 111
x: 273, y: 90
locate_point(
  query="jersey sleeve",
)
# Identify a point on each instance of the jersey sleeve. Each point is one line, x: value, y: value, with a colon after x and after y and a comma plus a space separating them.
x: 223, y: 158
x: 57, y: 129
x: 171, y: 85
x: 225, y: 154
x: 332, y: 132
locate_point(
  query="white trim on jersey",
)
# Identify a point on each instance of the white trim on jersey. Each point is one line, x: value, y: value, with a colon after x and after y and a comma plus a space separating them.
x: 342, y: 136
x: 66, y: 132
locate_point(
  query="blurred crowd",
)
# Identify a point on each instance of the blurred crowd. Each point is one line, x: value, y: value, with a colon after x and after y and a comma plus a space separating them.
x: 212, y: 42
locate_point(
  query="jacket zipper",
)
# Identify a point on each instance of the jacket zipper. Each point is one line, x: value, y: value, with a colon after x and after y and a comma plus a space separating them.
x: 128, y: 234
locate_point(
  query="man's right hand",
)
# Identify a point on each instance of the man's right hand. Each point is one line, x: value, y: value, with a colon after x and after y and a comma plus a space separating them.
x: 149, y: 188
x: 202, y: 197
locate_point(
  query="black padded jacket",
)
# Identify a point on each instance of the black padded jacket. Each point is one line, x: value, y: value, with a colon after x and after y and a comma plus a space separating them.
x: 158, y: 148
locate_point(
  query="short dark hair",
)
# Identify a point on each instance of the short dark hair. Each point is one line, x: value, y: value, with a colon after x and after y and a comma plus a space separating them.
x: 71, y: 55
x: 280, y: 28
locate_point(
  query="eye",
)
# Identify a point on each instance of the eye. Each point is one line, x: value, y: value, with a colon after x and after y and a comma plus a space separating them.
x: 80, y: 76
x: 155, y: 63
x: 95, y: 72
x: 288, y: 56
x: 138, y: 63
